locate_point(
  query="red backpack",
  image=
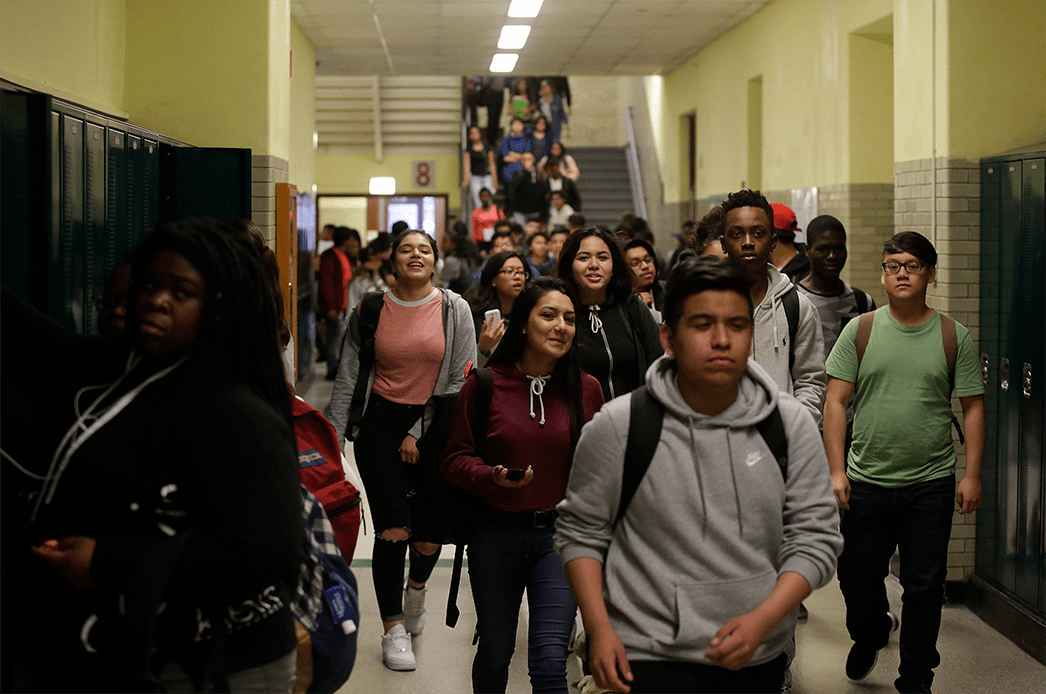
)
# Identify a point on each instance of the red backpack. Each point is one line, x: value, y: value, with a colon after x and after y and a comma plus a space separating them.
x: 319, y: 461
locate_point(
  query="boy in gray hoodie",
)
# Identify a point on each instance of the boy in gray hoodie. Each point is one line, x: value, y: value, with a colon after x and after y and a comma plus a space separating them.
x: 797, y: 366
x: 694, y: 589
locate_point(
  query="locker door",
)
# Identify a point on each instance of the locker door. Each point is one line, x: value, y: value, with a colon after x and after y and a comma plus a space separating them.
x: 66, y: 264
x: 211, y: 181
x: 95, y: 251
x: 990, y: 552
x: 1009, y: 369
x: 135, y: 191
x: 1032, y: 347
x: 116, y: 201
x: 150, y: 185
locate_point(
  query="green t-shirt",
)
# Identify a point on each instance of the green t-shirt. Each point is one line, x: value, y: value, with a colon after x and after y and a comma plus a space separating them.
x: 902, y: 425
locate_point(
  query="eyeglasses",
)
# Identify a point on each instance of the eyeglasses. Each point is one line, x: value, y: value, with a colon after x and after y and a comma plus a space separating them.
x: 645, y: 260
x: 913, y: 267
x: 513, y: 273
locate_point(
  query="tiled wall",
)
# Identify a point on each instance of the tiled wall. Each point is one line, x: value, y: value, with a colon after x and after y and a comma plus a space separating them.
x: 266, y: 172
x: 957, y: 291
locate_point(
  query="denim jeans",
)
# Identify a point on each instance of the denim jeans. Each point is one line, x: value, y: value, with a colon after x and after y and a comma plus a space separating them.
x: 916, y: 519
x: 503, y: 561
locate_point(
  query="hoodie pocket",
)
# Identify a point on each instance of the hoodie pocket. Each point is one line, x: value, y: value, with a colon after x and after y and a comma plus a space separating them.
x: 703, y: 608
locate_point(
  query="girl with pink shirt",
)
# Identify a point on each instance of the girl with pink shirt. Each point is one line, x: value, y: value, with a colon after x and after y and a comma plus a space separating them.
x: 423, y: 342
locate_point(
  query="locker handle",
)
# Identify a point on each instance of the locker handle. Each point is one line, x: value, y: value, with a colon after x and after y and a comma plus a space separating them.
x: 1004, y: 375
x: 1027, y: 380
x: 984, y: 368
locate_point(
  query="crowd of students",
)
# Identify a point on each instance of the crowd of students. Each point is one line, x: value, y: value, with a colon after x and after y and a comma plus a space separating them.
x: 652, y: 453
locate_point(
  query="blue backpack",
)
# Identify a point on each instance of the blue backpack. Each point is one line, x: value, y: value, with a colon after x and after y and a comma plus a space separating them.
x: 328, y: 603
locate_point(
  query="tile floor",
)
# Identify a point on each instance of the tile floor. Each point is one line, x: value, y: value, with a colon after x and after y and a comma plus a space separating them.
x: 975, y: 657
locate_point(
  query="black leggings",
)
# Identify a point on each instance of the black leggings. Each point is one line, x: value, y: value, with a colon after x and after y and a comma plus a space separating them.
x: 389, y: 483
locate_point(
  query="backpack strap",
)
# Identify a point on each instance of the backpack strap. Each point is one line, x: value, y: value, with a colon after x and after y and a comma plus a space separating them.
x: 861, y: 299
x: 773, y: 432
x: 370, y: 311
x: 790, y: 301
x: 646, y: 415
x: 480, y: 409
x: 864, y: 332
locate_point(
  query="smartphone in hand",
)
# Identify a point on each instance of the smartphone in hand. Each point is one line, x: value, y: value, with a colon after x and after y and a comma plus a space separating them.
x: 492, y: 317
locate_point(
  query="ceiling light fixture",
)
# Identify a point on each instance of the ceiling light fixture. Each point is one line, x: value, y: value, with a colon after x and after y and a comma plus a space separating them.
x: 383, y: 185
x: 524, y: 8
x: 503, y: 62
x: 513, y: 38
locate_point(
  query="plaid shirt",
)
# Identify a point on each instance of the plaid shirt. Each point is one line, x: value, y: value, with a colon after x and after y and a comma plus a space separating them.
x: 320, y: 540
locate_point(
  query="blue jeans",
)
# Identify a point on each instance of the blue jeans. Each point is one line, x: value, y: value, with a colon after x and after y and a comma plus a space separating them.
x: 503, y: 560
x: 916, y: 519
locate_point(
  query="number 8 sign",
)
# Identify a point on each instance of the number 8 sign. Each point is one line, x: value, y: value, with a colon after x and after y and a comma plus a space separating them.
x: 424, y: 174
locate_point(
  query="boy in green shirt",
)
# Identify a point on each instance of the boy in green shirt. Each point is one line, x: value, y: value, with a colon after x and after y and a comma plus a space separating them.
x: 898, y: 482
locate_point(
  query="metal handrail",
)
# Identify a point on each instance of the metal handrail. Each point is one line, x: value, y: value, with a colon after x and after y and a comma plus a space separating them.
x: 635, y: 173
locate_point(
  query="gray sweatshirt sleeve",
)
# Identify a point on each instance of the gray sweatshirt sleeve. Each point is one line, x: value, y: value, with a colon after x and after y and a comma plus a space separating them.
x: 586, y: 515
x: 348, y: 371
x: 811, y: 542
x: 809, y: 381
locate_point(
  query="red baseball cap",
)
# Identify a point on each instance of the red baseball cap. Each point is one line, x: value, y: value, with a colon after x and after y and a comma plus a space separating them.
x: 784, y: 218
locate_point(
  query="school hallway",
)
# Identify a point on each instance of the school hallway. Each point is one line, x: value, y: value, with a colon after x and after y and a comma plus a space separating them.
x: 974, y: 657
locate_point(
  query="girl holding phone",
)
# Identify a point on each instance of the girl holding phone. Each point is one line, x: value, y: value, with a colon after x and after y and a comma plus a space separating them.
x: 500, y: 282
x: 539, y: 403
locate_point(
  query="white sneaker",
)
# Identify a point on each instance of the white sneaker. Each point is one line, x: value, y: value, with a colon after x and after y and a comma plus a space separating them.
x: 396, y: 650
x: 414, y: 609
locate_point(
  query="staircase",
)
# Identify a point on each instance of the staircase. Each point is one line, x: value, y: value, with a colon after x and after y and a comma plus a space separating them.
x: 604, y: 185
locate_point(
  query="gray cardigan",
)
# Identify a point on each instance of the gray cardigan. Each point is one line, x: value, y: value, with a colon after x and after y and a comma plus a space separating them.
x: 460, y: 350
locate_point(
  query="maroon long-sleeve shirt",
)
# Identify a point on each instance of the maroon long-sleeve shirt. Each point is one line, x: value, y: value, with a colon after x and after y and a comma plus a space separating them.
x: 516, y: 440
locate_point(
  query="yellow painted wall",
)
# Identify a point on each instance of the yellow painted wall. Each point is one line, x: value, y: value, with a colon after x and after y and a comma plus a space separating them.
x: 302, y: 112
x: 279, y: 86
x: 351, y: 173
x: 198, y: 71
x: 996, y: 76
x: 801, y: 50
x: 72, y: 49
x: 913, y: 83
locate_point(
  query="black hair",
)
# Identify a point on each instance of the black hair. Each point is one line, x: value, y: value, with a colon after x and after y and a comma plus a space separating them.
x: 483, y: 296
x: 249, y: 231
x: 548, y: 125
x: 382, y: 243
x: 503, y: 234
x: 577, y: 220
x: 515, y: 229
x: 464, y: 246
x: 485, y: 189
x: 503, y: 223
x: 560, y: 193
x: 748, y: 198
x: 562, y: 149
x: 821, y: 225
x: 559, y: 230
x: 693, y: 275
x: 644, y: 244
x: 912, y: 242
x: 641, y: 230
x: 238, y: 329
x: 341, y: 235
x: 539, y: 232
x: 399, y: 227
x: 566, y: 375
x: 709, y: 229
x: 622, y: 282
x: 624, y: 230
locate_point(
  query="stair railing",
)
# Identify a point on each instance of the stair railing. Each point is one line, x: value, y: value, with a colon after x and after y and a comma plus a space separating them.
x: 635, y: 173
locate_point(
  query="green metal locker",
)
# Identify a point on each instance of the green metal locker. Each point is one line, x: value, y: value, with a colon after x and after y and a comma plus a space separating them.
x: 1011, y: 532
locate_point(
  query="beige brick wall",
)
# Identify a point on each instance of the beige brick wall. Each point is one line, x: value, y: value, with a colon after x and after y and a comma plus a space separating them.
x: 957, y: 291
x: 266, y: 172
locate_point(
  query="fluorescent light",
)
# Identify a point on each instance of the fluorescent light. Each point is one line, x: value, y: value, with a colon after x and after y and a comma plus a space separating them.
x: 383, y: 185
x: 513, y: 37
x: 503, y: 62
x: 524, y: 8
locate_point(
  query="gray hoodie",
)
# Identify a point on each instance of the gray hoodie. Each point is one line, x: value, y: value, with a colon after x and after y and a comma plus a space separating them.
x: 807, y: 380
x: 712, y: 524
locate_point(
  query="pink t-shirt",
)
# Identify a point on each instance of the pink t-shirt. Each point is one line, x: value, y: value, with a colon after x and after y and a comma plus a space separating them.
x: 408, y: 348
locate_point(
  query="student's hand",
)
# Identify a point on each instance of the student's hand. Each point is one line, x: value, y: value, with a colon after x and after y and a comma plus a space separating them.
x: 735, y: 644
x: 607, y: 660
x: 841, y: 489
x: 332, y: 315
x: 409, y: 450
x: 465, y: 183
x: 968, y: 495
x: 500, y: 475
x: 648, y: 298
x: 491, y: 335
x: 71, y: 556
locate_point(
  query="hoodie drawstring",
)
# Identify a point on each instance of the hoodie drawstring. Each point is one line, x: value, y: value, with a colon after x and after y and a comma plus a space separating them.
x: 733, y: 476
x: 537, y: 387
x: 773, y: 313
x: 597, y: 327
x: 700, y: 484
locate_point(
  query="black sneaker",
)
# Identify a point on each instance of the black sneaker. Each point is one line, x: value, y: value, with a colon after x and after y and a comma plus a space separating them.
x: 803, y: 612
x: 906, y: 686
x: 895, y: 623
x: 860, y: 661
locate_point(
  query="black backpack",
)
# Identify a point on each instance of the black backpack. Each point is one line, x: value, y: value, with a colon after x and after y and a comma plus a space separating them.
x: 645, y: 418
x: 790, y: 302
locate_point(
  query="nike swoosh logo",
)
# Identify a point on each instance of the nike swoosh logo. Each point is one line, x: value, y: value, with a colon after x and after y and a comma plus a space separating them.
x: 753, y: 458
